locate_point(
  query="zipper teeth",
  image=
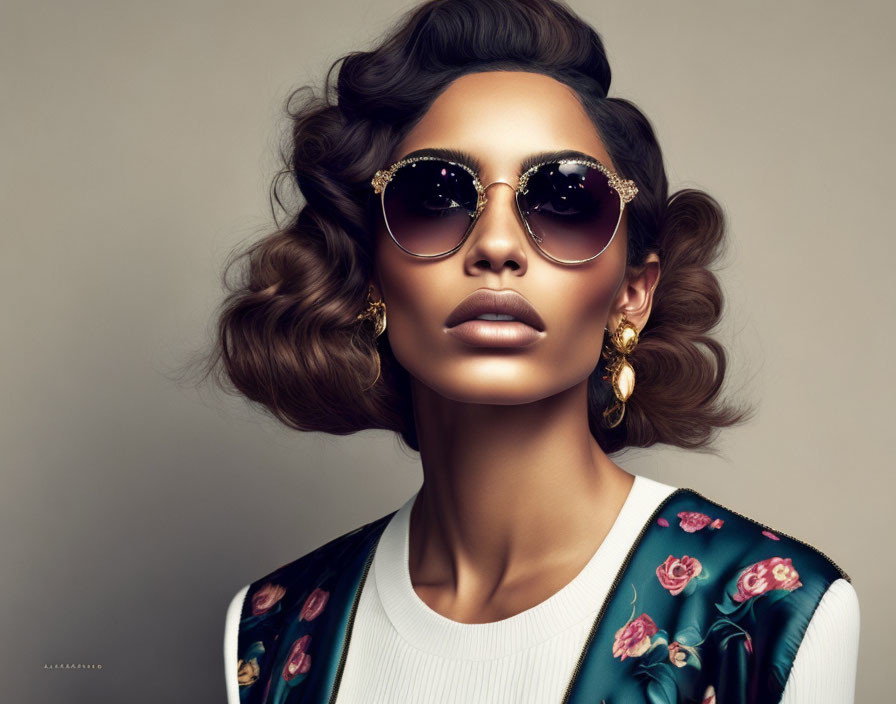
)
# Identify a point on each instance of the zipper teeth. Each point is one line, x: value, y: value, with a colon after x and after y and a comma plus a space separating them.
x: 631, y: 552
x: 778, y: 532
x: 351, y: 621
x: 613, y: 586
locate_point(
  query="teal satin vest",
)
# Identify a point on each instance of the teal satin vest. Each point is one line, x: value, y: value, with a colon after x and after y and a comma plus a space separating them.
x: 708, y: 606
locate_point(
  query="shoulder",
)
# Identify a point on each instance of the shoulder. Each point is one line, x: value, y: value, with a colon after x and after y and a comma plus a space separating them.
x: 749, y: 541
x: 734, y: 569
x: 279, y: 589
x: 281, y: 608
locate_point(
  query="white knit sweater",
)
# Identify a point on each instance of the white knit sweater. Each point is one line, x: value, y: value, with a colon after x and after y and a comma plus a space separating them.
x: 403, y: 651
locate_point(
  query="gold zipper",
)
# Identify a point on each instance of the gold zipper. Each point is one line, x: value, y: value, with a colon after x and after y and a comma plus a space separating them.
x: 351, y: 621
x: 613, y: 586
x: 631, y: 552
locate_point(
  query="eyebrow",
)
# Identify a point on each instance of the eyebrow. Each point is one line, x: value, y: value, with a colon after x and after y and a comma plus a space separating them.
x: 464, y: 157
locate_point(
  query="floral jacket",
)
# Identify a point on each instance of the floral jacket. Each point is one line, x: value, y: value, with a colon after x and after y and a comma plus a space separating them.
x: 708, y: 605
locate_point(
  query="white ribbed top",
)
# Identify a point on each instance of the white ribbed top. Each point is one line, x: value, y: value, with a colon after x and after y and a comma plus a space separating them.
x: 403, y: 651
x: 573, y: 606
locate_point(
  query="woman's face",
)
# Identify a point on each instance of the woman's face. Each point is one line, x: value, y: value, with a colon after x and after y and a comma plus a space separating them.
x: 500, y: 117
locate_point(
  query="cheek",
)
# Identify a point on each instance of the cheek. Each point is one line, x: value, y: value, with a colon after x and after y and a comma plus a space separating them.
x: 581, y: 307
x: 399, y: 276
x: 416, y: 294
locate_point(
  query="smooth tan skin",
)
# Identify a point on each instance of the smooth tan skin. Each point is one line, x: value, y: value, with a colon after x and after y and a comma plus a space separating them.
x: 517, y: 495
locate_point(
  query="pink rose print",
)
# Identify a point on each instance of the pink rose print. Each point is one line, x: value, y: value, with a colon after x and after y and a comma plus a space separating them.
x: 748, y: 644
x: 692, y: 521
x: 716, y: 524
x: 675, y: 573
x: 314, y: 604
x: 769, y: 534
x: 663, y: 522
x: 677, y: 656
x: 298, y: 662
x: 709, y: 696
x: 633, y: 638
x: 266, y: 598
x: 765, y: 575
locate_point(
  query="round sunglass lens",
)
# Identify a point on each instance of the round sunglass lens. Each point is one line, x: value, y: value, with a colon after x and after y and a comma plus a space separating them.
x: 429, y: 205
x: 572, y: 210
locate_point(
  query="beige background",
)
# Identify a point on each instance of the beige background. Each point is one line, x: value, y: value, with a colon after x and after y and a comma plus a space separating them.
x: 138, y: 141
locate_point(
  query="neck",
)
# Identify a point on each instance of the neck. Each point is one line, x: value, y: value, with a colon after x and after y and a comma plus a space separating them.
x: 509, y: 491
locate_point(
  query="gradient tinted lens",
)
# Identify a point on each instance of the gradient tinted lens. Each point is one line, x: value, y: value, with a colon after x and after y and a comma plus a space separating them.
x: 571, y: 209
x: 429, y: 206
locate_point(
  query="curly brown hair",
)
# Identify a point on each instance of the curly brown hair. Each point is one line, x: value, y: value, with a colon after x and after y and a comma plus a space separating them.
x: 287, y: 334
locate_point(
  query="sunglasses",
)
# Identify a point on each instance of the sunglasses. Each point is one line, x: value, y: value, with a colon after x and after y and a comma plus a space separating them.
x: 571, y: 208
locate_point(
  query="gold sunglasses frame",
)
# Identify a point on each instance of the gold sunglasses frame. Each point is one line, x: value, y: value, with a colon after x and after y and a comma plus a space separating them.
x: 625, y: 189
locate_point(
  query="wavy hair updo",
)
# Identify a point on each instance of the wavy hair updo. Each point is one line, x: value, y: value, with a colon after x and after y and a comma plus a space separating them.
x: 287, y: 334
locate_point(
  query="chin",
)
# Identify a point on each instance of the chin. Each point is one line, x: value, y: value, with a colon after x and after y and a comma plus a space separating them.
x: 491, y: 396
x: 514, y: 390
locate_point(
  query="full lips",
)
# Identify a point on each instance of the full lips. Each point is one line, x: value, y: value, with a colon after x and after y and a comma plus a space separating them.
x: 492, y: 333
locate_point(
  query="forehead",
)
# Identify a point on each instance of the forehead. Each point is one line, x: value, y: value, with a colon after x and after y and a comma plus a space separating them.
x: 502, y: 117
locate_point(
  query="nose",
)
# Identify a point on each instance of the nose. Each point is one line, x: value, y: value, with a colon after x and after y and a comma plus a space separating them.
x: 499, y: 235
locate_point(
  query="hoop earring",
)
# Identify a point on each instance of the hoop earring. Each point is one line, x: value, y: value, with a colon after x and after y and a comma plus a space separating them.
x: 620, y: 372
x: 375, y: 312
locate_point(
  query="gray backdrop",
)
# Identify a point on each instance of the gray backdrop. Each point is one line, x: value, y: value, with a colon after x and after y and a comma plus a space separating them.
x: 138, y: 144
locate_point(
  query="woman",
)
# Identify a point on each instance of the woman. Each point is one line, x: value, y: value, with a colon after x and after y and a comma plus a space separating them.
x: 488, y: 262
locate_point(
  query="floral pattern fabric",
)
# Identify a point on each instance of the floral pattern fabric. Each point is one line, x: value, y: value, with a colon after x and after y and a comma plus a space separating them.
x: 294, y: 621
x: 709, y: 606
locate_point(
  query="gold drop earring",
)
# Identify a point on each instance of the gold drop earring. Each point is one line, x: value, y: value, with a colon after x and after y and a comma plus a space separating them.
x: 620, y: 372
x: 376, y: 313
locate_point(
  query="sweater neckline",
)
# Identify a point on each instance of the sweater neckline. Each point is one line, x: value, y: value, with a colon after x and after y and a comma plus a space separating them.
x: 576, y: 602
